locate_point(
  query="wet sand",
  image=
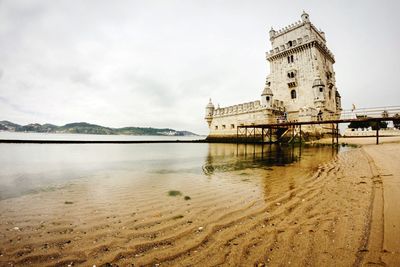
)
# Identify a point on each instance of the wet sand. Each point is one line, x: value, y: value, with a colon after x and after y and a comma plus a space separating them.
x: 341, y: 210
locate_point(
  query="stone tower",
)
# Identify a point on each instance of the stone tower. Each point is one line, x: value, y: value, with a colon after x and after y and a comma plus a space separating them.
x: 302, y: 74
x: 300, y: 87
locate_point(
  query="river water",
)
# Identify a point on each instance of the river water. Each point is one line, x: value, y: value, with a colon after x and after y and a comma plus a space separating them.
x: 91, y: 137
x: 29, y: 168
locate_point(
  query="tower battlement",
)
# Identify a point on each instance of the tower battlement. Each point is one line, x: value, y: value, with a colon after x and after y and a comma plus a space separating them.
x: 295, y: 26
x: 301, y: 43
x: 246, y: 107
x: 288, y: 28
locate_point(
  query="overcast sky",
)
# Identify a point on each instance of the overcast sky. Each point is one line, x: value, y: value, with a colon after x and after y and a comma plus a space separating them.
x: 156, y: 63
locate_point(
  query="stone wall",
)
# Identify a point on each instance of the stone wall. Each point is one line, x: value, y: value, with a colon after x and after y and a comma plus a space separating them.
x: 225, y: 120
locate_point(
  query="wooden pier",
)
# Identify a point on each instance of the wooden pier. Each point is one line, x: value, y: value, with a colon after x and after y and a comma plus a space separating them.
x: 263, y: 133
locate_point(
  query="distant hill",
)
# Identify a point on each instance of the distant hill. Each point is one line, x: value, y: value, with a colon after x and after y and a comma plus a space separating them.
x: 87, y: 128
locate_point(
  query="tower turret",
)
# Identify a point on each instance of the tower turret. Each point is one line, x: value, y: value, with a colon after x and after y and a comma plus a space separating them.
x: 272, y: 34
x: 319, y: 92
x: 305, y: 17
x: 209, y: 112
x: 267, y: 95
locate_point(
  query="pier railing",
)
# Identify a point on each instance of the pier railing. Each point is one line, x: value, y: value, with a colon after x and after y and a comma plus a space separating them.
x: 388, y: 112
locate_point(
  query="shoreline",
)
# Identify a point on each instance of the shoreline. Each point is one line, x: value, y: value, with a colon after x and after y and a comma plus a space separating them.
x: 355, y: 140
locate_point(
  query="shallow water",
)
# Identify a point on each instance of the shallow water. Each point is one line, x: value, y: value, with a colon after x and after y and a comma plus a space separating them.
x: 27, y: 168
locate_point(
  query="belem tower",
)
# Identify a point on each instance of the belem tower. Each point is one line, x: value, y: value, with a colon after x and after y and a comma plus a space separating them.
x: 300, y: 87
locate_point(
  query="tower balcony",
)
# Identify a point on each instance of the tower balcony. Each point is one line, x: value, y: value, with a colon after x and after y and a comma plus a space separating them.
x: 292, y: 82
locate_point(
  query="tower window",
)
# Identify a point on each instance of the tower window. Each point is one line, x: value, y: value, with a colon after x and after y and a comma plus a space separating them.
x: 267, y: 98
x: 232, y: 126
x: 290, y: 44
x: 293, y: 94
x: 290, y: 59
x: 223, y: 126
x: 216, y: 127
x: 291, y: 74
x: 330, y: 94
x: 321, y: 89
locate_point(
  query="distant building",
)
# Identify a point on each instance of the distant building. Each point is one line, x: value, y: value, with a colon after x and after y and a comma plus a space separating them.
x: 300, y: 87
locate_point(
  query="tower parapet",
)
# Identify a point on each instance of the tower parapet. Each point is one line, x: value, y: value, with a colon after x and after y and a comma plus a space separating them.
x: 288, y: 28
x: 298, y: 35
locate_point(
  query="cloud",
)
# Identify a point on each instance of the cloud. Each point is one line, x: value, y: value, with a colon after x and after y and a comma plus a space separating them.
x: 156, y: 63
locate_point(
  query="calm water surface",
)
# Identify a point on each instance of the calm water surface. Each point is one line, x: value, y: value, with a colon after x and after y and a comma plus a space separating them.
x: 32, y: 168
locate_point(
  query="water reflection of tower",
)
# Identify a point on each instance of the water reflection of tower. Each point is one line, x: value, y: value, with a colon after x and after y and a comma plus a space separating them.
x: 235, y: 157
x: 208, y: 168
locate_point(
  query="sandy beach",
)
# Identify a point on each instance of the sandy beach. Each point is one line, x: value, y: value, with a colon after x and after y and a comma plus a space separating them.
x: 342, y: 211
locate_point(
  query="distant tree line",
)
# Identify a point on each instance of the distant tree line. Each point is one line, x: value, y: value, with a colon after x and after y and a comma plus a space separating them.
x: 396, y: 121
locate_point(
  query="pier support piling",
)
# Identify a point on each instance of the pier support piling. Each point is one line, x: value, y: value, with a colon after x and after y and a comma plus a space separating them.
x: 337, y: 133
x: 377, y: 134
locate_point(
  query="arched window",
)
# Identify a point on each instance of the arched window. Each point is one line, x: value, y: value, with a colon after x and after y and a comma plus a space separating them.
x: 267, y: 98
x: 293, y: 94
x: 291, y: 58
x: 321, y: 89
x: 290, y: 43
